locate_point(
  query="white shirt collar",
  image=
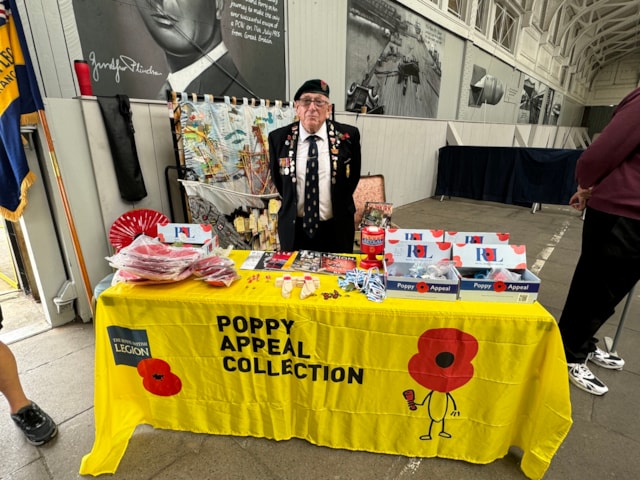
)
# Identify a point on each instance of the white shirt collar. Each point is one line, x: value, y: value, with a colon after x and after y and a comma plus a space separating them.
x: 181, y: 79
x: 322, y: 133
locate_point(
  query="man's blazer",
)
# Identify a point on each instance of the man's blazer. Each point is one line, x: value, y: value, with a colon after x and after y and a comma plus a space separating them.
x: 345, y: 157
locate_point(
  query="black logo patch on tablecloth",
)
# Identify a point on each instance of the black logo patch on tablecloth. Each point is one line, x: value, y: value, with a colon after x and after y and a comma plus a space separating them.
x: 129, y: 346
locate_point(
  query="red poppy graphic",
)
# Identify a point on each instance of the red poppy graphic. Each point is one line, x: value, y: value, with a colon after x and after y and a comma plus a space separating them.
x: 437, y: 233
x: 443, y: 362
x: 503, y: 237
x: 489, y: 254
x: 392, y: 241
x: 157, y: 377
x: 444, y: 245
x: 519, y: 249
x: 420, y: 251
x: 415, y: 236
x: 476, y: 239
x: 422, y: 287
x: 499, y: 287
x: 388, y: 258
x: 456, y: 260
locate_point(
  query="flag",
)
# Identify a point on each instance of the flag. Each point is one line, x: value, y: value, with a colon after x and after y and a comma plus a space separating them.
x: 19, y: 104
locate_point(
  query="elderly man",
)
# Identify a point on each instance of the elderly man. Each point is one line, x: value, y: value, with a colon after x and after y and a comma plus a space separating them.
x: 315, y: 166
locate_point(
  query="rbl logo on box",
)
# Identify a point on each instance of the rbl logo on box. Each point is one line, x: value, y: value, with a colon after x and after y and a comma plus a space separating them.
x: 483, y: 255
x: 488, y: 254
x: 490, y: 238
x: 410, y: 251
x: 185, y: 233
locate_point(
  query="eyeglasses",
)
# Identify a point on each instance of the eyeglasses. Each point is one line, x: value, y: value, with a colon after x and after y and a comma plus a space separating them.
x: 318, y: 102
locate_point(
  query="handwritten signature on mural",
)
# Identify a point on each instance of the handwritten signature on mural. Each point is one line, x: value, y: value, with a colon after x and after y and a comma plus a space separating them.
x: 117, y: 65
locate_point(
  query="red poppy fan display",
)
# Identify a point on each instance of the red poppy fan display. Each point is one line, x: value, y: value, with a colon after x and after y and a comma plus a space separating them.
x: 134, y: 223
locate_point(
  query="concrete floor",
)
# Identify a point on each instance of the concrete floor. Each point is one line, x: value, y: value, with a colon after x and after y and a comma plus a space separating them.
x: 57, y: 371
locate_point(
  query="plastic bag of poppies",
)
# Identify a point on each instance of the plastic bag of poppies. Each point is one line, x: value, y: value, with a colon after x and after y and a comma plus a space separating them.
x: 148, y: 260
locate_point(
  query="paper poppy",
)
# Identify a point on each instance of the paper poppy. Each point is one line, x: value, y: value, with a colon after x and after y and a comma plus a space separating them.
x: 443, y: 362
x: 499, y: 286
x: 422, y: 287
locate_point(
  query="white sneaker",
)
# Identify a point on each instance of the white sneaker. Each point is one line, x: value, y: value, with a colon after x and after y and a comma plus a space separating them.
x: 584, y: 379
x: 606, y: 360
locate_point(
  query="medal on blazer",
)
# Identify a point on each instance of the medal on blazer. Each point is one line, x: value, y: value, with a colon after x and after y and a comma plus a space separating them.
x: 334, y: 140
x: 291, y: 141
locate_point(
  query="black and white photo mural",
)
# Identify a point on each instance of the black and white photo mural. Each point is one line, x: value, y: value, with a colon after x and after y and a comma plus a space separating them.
x: 485, y: 89
x: 141, y: 48
x: 531, y: 101
x: 393, y: 60
x: 552, y: 107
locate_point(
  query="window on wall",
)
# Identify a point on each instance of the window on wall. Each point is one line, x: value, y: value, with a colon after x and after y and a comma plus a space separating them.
x: 458, y: 8
x: 482, y: 16
x: 504, y: 27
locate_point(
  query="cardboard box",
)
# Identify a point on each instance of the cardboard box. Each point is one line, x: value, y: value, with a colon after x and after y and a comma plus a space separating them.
x: 477, y: 237
x: 188, y: 235
x: 472, y: 260
x: 400, y: 284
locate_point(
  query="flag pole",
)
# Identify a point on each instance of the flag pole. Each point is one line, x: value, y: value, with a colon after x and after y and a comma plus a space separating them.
x: 67, y: 210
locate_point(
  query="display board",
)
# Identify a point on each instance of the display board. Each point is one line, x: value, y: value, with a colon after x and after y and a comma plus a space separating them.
x: 222, y: 150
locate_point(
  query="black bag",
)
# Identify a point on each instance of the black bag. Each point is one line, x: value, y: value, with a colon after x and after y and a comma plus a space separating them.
x: 116, y: 113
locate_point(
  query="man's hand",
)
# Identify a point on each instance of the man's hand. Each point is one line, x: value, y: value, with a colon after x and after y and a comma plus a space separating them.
x: 579, y: 199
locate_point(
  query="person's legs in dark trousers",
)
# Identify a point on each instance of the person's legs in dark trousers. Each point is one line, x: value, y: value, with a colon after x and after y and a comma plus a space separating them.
x: 608, y: 268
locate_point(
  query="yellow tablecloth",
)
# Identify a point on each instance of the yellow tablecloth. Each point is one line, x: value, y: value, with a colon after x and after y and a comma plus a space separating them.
x: 458, y: 380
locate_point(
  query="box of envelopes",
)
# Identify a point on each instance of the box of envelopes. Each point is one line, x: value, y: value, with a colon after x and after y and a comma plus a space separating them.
x: 494, y: 273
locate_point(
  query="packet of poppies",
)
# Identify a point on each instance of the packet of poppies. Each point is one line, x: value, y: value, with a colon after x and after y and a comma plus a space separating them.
x: 216, y: 270
x: 147, y: 260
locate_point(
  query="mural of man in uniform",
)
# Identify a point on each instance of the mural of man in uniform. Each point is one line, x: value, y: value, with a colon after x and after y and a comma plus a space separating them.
x: 191, y: 36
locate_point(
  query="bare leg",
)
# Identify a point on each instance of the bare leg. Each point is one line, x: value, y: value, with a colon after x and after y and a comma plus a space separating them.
x: 10, y: 385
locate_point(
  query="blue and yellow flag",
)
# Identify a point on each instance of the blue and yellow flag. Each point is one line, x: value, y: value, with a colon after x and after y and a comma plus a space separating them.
x: 19, y: 104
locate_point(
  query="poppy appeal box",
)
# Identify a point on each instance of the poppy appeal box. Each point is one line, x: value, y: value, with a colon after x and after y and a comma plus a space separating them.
x: 188, y: 235
x: 481, y: 268
x: 421, y: 280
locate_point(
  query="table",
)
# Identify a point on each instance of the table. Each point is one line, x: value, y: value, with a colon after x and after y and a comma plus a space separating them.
x: 458, y: 380
x: 511, y: 175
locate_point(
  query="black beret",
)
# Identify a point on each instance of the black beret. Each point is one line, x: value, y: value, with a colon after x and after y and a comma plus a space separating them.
x: 313, y: 86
